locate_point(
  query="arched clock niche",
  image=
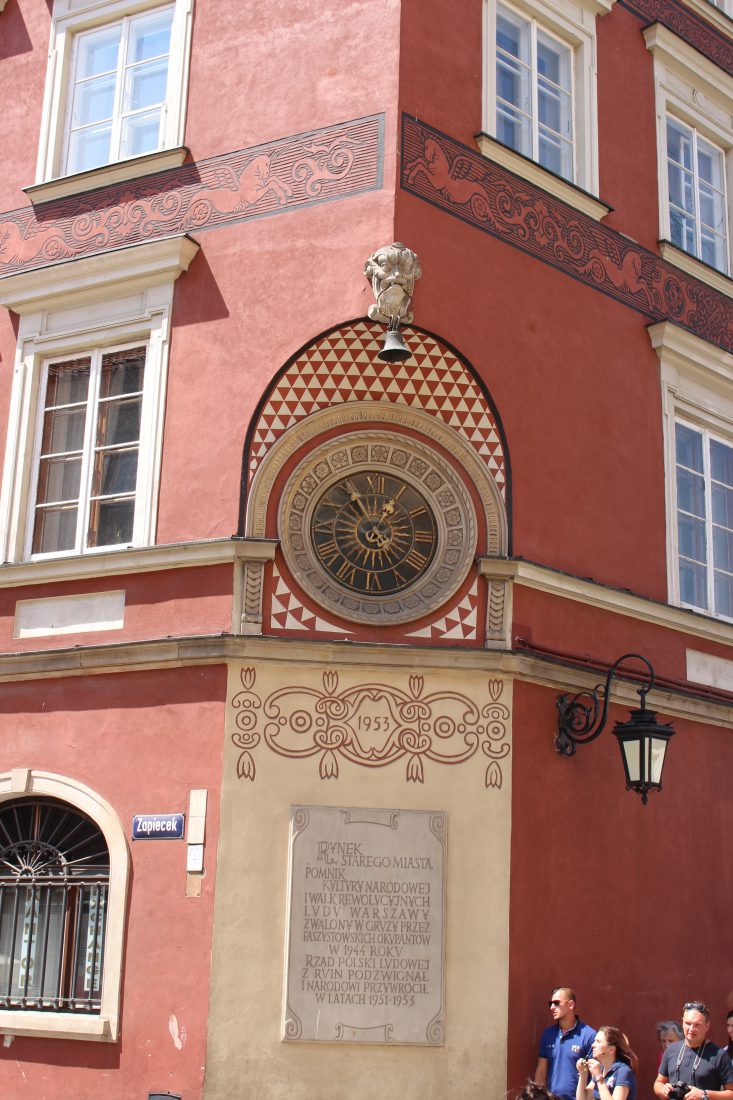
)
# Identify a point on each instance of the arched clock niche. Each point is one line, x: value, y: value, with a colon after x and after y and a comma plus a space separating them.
x: 382, y: 482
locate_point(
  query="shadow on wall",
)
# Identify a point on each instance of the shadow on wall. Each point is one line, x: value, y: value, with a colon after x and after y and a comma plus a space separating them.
x: 14, y: 37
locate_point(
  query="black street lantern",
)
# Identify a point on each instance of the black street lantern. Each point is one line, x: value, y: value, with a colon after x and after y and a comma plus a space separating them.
x: 642, y: 740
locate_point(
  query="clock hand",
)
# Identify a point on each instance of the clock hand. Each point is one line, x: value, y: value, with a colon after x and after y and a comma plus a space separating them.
x: 355, y: 497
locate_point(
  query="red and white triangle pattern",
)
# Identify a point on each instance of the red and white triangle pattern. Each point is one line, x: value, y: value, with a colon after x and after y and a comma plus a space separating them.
x: 344, y: 367
x: 287, y: 613
x: 459, y: 624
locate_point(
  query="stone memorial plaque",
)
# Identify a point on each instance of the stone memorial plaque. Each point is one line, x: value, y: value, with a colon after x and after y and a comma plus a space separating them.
x: 366, y: 914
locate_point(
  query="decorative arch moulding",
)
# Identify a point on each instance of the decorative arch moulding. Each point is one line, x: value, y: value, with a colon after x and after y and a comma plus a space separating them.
x: 686, y: 24
x: 373, y: 720
x: 294, y: 172
x: 462, y: 183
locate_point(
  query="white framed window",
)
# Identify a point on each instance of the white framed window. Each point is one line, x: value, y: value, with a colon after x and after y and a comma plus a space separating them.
x: 85, y: 431
x: 694, y: 105
x: 118, y: 90
x: 540, y: 111
x: 90, y: 452
x: 62, y: 917
x: 534, y: 92
x: 698, y: 221
x: 697, y: 404
x: 115, y: 98
x: 704, y: 492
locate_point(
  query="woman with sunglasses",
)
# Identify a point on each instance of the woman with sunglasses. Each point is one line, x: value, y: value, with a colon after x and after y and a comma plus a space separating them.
x: 611, y: 1072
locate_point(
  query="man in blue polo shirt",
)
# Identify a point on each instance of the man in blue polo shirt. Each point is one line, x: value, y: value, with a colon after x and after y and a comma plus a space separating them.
x: 562, y: 1044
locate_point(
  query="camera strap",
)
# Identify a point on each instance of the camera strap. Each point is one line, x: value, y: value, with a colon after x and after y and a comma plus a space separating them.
x: 695, y: 1064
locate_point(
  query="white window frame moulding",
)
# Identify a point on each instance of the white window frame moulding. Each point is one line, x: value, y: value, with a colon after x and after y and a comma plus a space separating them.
x: 697, y: 387
x: 69, y: 17
x: 574, y: 22
x: 696, y: 91
x: 109, y: 299
x: 29, y: 783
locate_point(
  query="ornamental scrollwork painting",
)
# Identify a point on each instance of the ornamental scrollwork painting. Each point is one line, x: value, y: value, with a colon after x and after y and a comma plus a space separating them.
x: 468, y: 186
x: 297, y: 171
x: 371, y: 724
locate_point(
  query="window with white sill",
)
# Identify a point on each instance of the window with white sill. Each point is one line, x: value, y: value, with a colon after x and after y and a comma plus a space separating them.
x: 694, y: 105
x: 534, y: 92
x: 704, y: 491
x: 116, y: 83
x: 696, y: 178
x: 85, y: 424
x: 64, y: 869
x: 697, y: 421
x: 88, y: 452
x: 540, y: 112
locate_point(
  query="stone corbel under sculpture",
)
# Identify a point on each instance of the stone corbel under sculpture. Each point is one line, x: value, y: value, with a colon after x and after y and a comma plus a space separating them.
x: 392, y: 271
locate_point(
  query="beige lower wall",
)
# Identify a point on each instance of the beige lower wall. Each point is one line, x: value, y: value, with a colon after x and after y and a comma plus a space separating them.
x: 276, y: 711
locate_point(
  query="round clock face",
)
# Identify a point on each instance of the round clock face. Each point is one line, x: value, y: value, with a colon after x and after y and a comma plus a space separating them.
x: 378, y: 527
x: 374, y: 532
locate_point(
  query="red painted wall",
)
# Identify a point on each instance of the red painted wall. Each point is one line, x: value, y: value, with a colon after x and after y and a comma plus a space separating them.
x: 620, y: 900
x: 142, y: 741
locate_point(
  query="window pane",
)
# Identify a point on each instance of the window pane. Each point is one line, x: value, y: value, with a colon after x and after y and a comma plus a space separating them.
x: 55, y: 530
x: 68, y: 382
x: 150, y: 36
x: 111, y: 522
x: 723, y: 594
x: 723, y: 549
x: 553, y: 61
x: 89, y: 149
x: 145, y: 86
x: 722, y: 498
x: 98, y: 52
x: 679, y: 143
x: 514, y: 130
x: 693, y: 585
x: 119, y: 422
x: 59, y: 480
x: 691, y: 538
x: 689, y: 447
x: 140, y: 134
x: 691, y: 493
x: 63, y: 430
x: 721, y: 462
x: 116, y: 473
x: 94, y: 102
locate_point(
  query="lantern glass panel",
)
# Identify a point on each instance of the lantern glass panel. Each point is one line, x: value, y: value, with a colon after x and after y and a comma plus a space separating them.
x: 632, y: 760
x: 657, y: 749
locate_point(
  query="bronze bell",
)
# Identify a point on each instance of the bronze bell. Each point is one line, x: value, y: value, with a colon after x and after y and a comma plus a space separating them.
x: 395, y: 349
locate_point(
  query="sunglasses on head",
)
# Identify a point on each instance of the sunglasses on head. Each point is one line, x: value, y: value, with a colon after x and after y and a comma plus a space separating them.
x: 696, y: 1006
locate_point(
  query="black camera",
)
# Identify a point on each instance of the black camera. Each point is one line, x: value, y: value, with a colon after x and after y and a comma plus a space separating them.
x: 679, y: 1090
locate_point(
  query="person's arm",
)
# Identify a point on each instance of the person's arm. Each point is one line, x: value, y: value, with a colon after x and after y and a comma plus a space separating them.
x: 620, y: 1092
x: 584, y: 1085
x: 540, y: 1074
x: 661, y: 1087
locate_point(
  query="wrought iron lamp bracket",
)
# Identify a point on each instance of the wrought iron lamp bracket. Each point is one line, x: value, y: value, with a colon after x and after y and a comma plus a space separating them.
x: 579, y: 720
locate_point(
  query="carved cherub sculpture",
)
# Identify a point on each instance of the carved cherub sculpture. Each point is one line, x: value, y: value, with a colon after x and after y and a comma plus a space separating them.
x: 392, y: 271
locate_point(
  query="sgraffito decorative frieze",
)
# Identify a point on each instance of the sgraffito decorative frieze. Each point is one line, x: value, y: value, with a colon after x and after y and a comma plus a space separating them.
x: 294, y: 172
x: 373, y: 723
x: 463, y: 183
x: 705, y: 38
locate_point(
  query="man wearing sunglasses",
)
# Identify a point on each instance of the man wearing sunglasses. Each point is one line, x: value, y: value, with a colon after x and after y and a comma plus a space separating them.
x: 694, y: 1068
x: 562, y: 1044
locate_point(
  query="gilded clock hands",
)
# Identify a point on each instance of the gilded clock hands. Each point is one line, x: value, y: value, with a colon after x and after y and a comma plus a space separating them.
x: 355, y: 497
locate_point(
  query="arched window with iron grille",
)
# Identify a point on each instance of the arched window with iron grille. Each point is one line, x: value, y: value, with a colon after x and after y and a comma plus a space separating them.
x: 54, y: 892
